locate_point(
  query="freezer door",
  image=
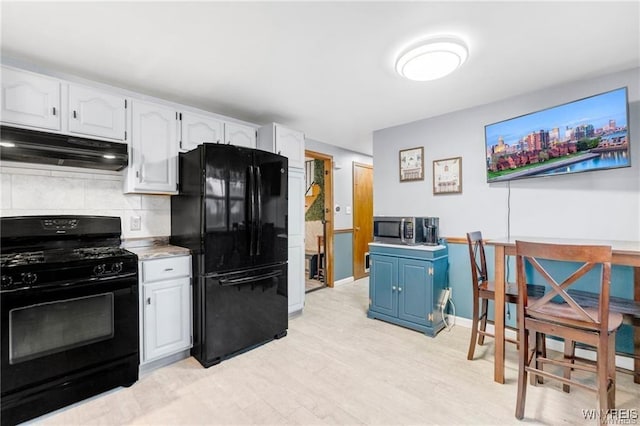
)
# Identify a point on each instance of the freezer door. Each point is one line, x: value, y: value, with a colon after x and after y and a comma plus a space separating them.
x: 229, y: 203
x: 242, y: 310
x: 270, y: 216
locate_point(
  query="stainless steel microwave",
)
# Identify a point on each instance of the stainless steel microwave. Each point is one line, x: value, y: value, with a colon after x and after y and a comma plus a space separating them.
x: 399, y: 230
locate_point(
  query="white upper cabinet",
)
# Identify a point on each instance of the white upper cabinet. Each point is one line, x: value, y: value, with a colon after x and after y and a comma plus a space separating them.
x: 284, y: 141
x: 240, y: 135
x: 154, y: 148
x: 96, y: 113
x: 196, y: 129
x: 30, y: 99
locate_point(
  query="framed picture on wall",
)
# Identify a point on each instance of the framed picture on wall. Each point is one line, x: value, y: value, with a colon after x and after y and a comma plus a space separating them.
x: 411, y: 164
x: 447, y: 176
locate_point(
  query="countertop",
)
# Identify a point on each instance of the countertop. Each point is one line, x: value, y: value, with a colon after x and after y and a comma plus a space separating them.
x: 410, y: 247
x: 153, y: 248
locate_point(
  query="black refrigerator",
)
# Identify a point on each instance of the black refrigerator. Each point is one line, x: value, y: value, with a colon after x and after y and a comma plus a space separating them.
x: 231, y: 212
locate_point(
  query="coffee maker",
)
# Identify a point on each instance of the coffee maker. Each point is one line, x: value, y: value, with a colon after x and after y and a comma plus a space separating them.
x: 431, y: 231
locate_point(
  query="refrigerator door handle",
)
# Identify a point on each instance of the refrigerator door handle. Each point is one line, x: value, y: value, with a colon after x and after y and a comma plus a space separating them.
x: 252, y: 207
x: 236, y: 281
x: 259, y: 205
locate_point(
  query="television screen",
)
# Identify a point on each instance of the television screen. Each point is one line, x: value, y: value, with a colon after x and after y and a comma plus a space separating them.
x: 580, y: 136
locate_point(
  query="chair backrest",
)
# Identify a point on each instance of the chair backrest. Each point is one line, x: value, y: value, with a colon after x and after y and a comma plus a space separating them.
x: 571, y: 312
x: 479, y: 273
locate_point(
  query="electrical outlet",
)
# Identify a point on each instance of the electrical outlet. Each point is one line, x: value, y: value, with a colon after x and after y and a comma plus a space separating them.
x: 136, y: 223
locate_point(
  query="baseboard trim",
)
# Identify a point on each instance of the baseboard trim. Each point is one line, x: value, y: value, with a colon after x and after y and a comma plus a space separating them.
x: 343, y: 281
x: 555, y: 345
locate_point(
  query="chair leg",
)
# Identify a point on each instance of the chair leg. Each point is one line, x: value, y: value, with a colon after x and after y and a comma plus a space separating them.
x: 483, y: 323
x: 602, y: 375
x: 523, y: 355
x: 569, y: 356
x: 611, y: 369
x: 539, y: 349
x: 474, y: 330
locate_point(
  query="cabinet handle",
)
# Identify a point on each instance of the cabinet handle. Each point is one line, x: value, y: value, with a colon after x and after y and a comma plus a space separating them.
x: 218, y: 141
x: 399, y: 288
x: 148, y: 300
x: 75, y: 114
x: 393, y: 288
x: 54, y: 110
x: 168, y: 269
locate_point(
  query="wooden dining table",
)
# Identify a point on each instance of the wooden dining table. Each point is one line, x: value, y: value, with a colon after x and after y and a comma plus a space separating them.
x: 623, y: 253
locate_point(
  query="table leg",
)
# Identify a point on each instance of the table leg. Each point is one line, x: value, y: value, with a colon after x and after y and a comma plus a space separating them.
x: 636, y: 329
x: 498, y: 373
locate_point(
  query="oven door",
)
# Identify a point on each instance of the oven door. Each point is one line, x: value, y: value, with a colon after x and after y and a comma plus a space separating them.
x: 50, y: 332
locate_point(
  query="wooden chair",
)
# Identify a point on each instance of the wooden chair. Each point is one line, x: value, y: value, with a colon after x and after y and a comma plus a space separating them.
x: 595, y: 327
x: 484, y: 290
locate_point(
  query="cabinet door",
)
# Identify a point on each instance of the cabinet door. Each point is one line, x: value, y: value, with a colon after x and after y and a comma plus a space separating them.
x: 154, y: 147
x: 96, y: 113
x: 290, y: 143
x: 383, y: 284
x: 414, y: 291
x: 30, y: 99
x: 296, y: 240
x: 167, y: 319
x: 197, y: 129
x: 239, y: 135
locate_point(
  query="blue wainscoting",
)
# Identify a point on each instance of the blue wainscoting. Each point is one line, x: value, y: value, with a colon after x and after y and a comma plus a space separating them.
x: 342, y: 255
x: 460, y: 283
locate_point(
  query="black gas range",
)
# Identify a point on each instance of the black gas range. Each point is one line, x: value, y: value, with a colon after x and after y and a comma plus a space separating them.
x: 69, y: 312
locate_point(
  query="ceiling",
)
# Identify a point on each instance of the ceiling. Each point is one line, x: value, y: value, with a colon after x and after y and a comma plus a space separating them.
x: 323, y: 68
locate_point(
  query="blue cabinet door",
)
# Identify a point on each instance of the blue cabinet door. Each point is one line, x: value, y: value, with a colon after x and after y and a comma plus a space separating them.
x: 383, y: 283
x: 415, y: 291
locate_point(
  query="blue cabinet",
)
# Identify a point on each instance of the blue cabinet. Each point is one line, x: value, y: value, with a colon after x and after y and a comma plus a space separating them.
x: 405, y: 285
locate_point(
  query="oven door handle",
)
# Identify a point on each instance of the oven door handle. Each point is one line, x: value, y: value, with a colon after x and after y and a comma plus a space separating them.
x: 229, y: 282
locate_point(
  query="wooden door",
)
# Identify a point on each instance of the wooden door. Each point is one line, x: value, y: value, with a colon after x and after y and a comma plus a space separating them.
x: 362, y: 216
x: 328, y: 214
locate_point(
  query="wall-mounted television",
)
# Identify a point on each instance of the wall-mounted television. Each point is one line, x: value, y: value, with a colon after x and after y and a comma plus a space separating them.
x: 583, y: 135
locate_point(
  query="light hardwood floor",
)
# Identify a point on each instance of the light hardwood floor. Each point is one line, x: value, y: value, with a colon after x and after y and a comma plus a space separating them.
x: 336, y: 366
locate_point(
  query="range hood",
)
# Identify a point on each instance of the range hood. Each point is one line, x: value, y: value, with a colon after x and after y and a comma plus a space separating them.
x: 32, y: 146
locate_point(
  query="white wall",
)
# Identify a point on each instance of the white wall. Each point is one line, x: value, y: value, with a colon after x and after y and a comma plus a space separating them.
x: 32, y: 189
x: 600, y: 205
x: 342, y: 178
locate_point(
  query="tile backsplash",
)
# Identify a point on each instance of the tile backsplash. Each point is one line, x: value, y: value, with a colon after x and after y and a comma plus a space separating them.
x: 34, y: 189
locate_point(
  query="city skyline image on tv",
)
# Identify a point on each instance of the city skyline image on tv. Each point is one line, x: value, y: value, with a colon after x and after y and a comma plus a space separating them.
x: 583, y: 135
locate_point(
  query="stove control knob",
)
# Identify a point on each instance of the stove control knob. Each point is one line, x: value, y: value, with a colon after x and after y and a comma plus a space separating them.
x: 116, y: 267
x: 99, y: 269
x: 6, y: 281
x: 29, y: 278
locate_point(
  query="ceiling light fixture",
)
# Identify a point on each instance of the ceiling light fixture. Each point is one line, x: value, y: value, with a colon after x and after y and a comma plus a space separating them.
x: 432, y: 58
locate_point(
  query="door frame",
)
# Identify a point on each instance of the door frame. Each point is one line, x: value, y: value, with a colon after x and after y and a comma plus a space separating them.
x: 355, y: 213
x: 328, y: 212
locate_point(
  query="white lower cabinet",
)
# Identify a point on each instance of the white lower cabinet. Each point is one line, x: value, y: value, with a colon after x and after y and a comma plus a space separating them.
x: 165, y: 311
